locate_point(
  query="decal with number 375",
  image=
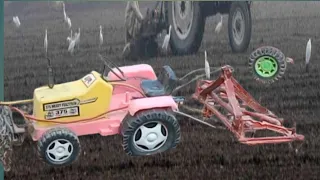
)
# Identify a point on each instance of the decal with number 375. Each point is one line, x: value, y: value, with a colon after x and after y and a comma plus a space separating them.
x: 59, y: 113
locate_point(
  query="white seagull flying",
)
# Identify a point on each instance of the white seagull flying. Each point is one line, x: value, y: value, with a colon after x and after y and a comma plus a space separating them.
x: 100, y: 37
x: 77, y: 38
x: 69, y: 22
x: 69, y: 38
x: 71, y: 46
x: 206, y: 65
x: 308, y: 54
x: 46, y: 41
x: 16, y: 21
x: 73, y: 41
x: 64, y: 12
x: 166, y: 40
x: 219, y: 25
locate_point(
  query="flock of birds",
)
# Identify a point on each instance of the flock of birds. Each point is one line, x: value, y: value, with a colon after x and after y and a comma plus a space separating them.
x: 74, y: 40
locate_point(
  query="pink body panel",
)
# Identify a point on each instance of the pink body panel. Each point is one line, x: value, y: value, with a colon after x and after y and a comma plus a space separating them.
x: 151, y: 102
x: 134, y: 75
x: 106, y: 126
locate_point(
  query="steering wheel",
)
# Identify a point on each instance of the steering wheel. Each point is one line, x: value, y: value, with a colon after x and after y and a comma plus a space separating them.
x: 123, y: 78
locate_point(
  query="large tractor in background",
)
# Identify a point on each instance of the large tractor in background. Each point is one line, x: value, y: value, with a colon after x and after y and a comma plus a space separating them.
x: 188, y: 18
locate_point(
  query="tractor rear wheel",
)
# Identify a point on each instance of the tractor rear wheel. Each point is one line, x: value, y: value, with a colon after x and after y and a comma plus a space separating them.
x: 150, y: 132
x: 188, y: 24
x: 239, y: 26
x: 59, y: 147
x: 267, y: 64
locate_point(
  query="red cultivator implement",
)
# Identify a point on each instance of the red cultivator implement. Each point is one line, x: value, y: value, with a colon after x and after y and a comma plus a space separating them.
x: 243, y: 114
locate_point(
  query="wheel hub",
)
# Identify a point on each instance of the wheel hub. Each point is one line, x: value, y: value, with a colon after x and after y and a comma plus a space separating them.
x: 150, y: 136
x: 183, y: 7
x: 182, y: 13
x: 59, y: 150
x: 266, y: 66
x: 238, y: 26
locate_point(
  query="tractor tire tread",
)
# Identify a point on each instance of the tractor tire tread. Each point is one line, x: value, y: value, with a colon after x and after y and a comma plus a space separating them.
x: 58, y: 133
x: 269, y: 51
x: 131, y: 123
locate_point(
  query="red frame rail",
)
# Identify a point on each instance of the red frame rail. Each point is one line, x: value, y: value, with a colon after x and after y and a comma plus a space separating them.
x: 226, y: 92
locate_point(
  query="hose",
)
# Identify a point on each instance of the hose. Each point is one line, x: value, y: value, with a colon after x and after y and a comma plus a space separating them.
x: 194, y: 79
x: 30, y: 117
x: 8, y: 103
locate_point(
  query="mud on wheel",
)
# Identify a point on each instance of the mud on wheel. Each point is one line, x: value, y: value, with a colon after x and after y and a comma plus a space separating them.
x: 59, y: 147
x: 268, y: 64
x: 150, y: 132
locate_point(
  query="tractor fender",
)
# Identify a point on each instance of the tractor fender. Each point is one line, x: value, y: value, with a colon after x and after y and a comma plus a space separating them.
x: 134, y: 71
x: 137, y: 105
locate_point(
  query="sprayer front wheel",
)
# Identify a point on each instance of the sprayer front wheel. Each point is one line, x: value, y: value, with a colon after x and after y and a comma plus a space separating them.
x: 59, y: 147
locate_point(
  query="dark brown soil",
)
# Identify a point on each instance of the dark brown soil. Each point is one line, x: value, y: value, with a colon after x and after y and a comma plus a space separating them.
x: 203, y: 152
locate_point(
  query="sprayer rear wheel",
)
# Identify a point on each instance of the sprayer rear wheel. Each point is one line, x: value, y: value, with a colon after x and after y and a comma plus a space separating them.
x: 150, y: 132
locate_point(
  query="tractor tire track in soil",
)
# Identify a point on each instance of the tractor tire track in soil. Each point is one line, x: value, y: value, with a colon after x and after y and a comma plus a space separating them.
x: 203, y: 152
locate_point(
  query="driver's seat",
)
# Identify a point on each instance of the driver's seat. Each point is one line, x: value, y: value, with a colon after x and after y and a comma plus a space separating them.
x: 164, y: 85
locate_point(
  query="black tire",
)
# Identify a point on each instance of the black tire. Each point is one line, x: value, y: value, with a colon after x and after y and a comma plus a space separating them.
x: 241, y: 45
x: 130, y: 126
x: 61, y: 135
x: 142, y: 48
x: 274, y: 53
x: 192, y: 42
